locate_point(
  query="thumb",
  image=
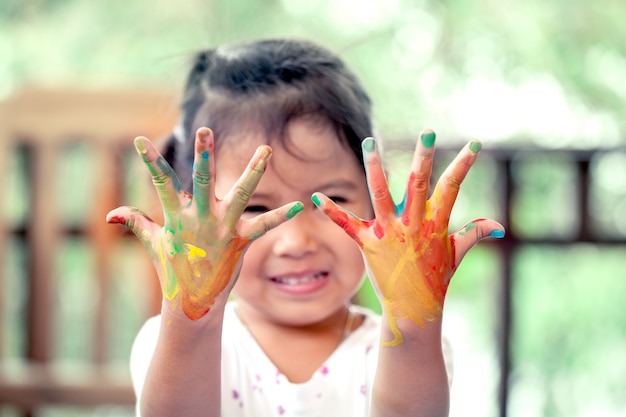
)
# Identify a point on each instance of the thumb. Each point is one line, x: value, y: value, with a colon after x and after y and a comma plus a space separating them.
x: 473, y: 232
x: 135, y: 220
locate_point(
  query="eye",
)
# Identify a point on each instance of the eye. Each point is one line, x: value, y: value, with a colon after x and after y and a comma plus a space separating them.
x: 338, y: 199
x: 256, y: 209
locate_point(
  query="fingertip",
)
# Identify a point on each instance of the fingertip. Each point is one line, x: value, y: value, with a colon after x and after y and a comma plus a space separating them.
x: 204, y: 143
x: 428, y: 137
x: 265, y: 151
x: 368, y: 144
x: 140, y: 144
x: 475, y: 146
x: 315, y: 198
x: 295, y: 209
x: 114, y: 218
x: 203, y: 132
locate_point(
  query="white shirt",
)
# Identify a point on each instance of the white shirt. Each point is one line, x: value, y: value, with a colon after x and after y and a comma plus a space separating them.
x: 253, y: 387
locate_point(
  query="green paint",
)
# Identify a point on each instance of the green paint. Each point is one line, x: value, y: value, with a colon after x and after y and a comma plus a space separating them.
x: 202, y: 167
x: 316, y: 200
x: 178, y: 247
x: 475, y: 146
x: 202, y: 178
x: 368, y: 145
x: 468, y: 227
x: 167, y: 170
x: 428, y: 139
x: 297, y: 208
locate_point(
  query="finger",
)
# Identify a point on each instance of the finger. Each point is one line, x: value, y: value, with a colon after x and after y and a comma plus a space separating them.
x: 136, y: 221
x: 419, y: 178
x: 353, y: 225
x: 473, y: 232
x: 449, y: 184
x: 163, y: 177
x: 384, y: 208
x: 203, y: 172
x: 261, y: 224
x: 239, y: 195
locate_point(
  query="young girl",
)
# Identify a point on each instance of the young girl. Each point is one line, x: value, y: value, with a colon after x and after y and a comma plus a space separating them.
x: 289, y: 343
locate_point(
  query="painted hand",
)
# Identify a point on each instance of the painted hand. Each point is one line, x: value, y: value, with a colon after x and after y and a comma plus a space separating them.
x: 409, y: 252
x: 198, y: 250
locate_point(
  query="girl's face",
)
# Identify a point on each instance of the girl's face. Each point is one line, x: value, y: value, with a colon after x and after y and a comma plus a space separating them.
x: 306, y: 269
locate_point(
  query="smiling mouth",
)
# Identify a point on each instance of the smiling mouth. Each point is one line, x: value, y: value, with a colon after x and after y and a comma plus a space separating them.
x: 287, y: 280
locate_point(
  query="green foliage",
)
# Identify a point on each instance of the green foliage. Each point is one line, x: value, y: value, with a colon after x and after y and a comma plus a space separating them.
x: 501, y: 71
x: 569, y: 335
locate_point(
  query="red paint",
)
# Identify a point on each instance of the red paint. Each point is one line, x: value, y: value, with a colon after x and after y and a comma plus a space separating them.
x: 346, y: 222
x: 117, y: 220
x: 429, y: 227
x: 409, y: 200
x: 453, y: 245
x: 378, y: 230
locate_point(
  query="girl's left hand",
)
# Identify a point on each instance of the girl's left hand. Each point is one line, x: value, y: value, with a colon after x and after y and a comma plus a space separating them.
x: 409, y: 253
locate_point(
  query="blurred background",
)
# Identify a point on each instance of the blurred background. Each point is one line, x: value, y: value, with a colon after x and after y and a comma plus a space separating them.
x: 537, y: 321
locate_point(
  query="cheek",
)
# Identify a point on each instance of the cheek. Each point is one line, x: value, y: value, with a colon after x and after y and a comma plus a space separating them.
x: 221, y: 189
x: 362, y: 206
x: 252, y: 263
x: 346, y: 250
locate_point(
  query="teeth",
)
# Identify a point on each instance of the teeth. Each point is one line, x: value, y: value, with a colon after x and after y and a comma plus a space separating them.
x: 297, y: 281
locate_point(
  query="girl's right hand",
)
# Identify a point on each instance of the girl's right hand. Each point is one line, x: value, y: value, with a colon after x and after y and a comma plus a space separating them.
x: 198, y: 251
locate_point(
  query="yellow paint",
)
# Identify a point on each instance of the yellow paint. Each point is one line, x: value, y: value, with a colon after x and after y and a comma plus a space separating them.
x: 170, y: 288
x: 194, y: 252
x: 412, y: 269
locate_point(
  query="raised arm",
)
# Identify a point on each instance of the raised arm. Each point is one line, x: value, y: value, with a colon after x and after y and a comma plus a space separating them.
x: 411, y: 258
x: 197, y: 253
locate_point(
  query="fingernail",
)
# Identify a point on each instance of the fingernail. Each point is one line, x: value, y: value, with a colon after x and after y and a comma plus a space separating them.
x: 140, y: 145
x: 475, y: 146
x: 264, y: 152
x: 295, y: 209
x: 316, y: 200
x: 428, y: 139
x: 115, y: 220
x: 368, y: 144
x: 498, y: 234
x: 262, y: 155
x: 202, y: 135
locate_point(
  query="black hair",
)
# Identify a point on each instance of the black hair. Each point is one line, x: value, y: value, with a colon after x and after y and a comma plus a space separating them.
x: 265, y: 85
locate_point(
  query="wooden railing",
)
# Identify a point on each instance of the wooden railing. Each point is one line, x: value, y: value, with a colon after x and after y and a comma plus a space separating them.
x: 39, y: 125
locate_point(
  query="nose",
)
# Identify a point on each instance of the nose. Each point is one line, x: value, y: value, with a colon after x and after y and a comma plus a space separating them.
x: 297, y: 237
